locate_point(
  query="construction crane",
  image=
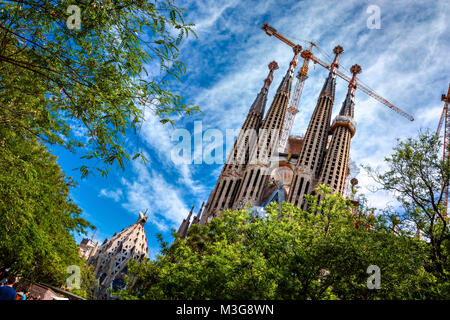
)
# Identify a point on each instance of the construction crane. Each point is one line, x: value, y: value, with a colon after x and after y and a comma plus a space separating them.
x: 445, y: 118
x: 293, y: 108
x: 272, y: 32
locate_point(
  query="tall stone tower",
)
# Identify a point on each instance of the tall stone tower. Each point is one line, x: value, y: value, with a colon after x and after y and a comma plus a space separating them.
x: 257, y: 170
x: 334, y: 170
x: 309, y: 163
x: 224, y: 193
x: 253, y: 175
x: 111, y: 258
x: 88, y: 248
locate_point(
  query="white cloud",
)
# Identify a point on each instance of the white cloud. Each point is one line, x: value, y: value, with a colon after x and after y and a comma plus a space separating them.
x: 115, y: 195
x: 158, y: 136
x: 210, y: 13
x: 150, y: 190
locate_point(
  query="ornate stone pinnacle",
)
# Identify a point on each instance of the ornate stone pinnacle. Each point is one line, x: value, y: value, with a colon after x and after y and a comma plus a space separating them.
x: 273, y: 66
x: 338, y: 50
x: 355, y: 69
x: 297, y: 49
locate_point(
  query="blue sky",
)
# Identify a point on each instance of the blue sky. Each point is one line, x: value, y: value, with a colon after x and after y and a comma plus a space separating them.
x: 405, y: 61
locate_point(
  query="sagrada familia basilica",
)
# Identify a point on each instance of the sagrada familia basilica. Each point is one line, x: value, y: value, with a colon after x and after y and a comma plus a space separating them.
x: 258, y: 171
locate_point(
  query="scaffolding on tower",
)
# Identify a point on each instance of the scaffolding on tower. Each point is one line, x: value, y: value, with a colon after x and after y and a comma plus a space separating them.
x: 445, y: 119
x: 302, y: 75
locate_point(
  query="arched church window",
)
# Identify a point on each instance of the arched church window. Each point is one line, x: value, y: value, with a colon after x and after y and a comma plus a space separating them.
x: 118, y: 284
x: 102, y: 278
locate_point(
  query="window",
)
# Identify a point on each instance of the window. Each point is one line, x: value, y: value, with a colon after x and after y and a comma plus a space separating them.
x: 102, y: 278
x: 118, y: 284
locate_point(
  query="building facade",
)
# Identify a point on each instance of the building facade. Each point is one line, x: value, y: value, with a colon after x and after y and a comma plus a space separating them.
x: 88, y: 248
x: 263, y: 173
x: 112, y: 256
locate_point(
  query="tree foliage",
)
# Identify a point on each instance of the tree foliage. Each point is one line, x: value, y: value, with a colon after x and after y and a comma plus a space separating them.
x: 38, y: 218
x: 418, y: 176
x: 84, y: 89
x: 288, y: 254
x: 88, y: 282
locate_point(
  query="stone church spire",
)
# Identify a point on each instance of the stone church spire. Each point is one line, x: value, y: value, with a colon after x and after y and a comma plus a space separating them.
x: 224, y: 194
x: 142, y: 218
x: 312, y: 154
x: 335, y: 166
x: 256, y: 172
x: 111, y: 259
x: 182, y: 230
x: 329, y: 87
x: 259, y: 105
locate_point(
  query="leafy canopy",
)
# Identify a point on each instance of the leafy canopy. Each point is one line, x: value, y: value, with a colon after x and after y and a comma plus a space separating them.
x: 38, y: 218
x: 418, y: 176
x: 288, y: 254
x: 84, y: 89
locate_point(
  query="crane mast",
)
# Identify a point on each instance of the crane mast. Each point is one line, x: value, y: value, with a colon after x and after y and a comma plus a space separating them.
x: 445, y: 118
x: 441, y: 120
x: 293, y: 108
x: 273, y: 32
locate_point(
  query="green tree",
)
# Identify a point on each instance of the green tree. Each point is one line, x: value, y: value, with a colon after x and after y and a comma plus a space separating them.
x: 418, y: 175
x: 84, y: 89
x: 87, y: 282
x: 288, y: 254
x: 38, y: 218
